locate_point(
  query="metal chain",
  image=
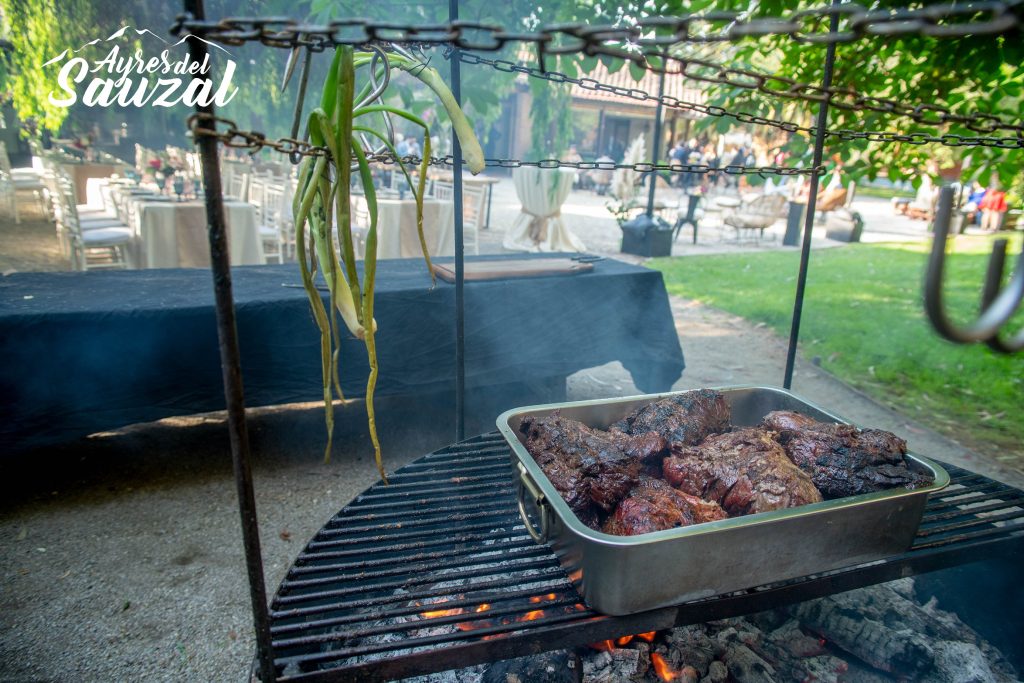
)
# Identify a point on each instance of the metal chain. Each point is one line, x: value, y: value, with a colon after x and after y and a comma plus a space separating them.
x: 743, y: 117
x: 204, y: 125
x: 631, y: 93
x: 839, y: 97
x: 953, y: 20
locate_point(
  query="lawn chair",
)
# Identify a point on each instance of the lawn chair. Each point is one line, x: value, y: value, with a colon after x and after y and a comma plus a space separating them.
x: 757, y: 214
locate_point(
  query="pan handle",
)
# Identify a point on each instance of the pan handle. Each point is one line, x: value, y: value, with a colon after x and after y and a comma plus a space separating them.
x: 527, y: 485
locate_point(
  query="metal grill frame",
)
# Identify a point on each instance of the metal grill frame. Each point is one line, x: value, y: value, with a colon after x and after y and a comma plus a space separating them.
x: 944, y: 550
x: 446, y: 515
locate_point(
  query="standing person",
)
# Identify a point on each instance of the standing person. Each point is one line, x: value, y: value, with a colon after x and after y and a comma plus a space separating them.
x: 712, y: 160
x: 679, y: 156
x: 695, y: 158
x: 738, y: 159
x: 973, y: 206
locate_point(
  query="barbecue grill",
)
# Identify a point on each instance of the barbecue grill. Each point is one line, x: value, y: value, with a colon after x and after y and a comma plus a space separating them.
x: 396, y: 584
x: 437, y: 571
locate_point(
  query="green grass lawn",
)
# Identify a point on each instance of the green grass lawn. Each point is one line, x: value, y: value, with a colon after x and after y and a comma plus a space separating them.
x: 863, y: 317
x: 883, y: 192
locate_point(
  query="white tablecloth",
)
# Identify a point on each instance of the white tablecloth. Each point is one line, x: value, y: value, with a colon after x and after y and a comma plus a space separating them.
x: 539, y: 226
x: 396, y: 226
x: 173, y: 234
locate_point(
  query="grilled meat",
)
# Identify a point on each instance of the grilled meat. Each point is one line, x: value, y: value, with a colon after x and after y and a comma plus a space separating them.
x: 592, y: 469
x: 841, y: 459
x: 684, y: 419
x: 745, y: 471
x: 653, y: 505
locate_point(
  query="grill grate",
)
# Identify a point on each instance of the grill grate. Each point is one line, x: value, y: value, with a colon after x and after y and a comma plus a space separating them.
x: 436, y: 571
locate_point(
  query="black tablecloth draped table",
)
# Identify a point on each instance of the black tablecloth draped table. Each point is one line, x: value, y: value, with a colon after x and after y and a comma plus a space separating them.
x: 87, y: 352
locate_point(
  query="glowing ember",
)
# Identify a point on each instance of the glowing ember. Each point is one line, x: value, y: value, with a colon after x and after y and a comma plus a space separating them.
x: 482, y: 608
x: 649, y: 636
x: 539, y: 598
x: 535, y: 614
x: 433, y: 614
x: 604, y: 646
x: 661, y: 667
x: 623, y: 641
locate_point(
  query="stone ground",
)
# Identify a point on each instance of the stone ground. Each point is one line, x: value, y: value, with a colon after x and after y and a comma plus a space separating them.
x: 121, y: 554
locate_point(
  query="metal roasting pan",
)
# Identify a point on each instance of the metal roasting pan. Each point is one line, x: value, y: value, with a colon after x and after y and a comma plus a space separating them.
x: 625, y: 574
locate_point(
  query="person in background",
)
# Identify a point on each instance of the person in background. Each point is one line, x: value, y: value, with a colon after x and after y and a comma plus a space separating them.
x: 695, y: 158
x: 712, y: 160
x: 680, y: 154
x: 414, y: 146
x: 993, y: 207
x: 973, y: 205
x: 738, y: 159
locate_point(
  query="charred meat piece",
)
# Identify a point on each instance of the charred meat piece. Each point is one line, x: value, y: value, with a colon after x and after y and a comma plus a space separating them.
x: 787, y: 421
x: 841, y: 459
x: 684, y: 419
x: 653, y: 505
x: 745, y: 471
x: 591, y: 469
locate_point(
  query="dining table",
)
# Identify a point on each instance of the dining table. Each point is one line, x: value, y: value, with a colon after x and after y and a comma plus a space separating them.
x: 169, y: 233
x: 397, y: 236
x: 484, y: 181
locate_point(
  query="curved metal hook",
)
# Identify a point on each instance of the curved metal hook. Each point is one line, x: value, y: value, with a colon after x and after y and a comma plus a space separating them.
x: 993, y: 276
x: 997, y: 306
x: 377, y: 88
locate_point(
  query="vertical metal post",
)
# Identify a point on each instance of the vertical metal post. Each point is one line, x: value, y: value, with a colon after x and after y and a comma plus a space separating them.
x: 812, y: 200
x: 231, y: 368
x: 657, y: 140
x: 460, y: 248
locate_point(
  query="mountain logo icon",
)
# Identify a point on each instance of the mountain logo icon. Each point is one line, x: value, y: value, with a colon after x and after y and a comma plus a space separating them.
x: 130, y: 74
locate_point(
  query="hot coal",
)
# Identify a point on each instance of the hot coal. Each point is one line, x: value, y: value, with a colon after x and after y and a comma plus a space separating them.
x: 841, y: 459
x: 878, y: 634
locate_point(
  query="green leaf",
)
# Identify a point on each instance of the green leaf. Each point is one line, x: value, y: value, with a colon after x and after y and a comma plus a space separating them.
x: 636, y: 71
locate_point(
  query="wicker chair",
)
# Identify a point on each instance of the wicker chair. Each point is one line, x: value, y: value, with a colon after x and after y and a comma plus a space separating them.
x: 757, y: 215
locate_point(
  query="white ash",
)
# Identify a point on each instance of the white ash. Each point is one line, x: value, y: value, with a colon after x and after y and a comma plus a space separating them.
x: 922, y: 642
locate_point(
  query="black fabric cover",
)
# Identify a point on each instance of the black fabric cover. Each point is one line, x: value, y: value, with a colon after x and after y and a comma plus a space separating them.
x: 87, y: 352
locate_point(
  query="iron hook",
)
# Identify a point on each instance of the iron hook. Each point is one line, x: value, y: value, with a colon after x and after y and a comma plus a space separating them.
x: 997, y: 306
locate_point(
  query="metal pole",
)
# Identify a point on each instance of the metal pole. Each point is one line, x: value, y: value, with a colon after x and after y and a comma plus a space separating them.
x: 657, y: 141
x: 812, y: 200
x: 231, y: 368
x: 460, y: 248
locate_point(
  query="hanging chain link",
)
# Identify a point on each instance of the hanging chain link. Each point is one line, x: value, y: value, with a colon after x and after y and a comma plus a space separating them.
x: 839, y: 97
x: 953, y: 20
x: 671, y: 102
x: 204, y: 125
x: 649, y: 35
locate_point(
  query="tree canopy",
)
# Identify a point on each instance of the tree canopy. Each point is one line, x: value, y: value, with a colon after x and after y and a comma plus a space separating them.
x: 963, y: 75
